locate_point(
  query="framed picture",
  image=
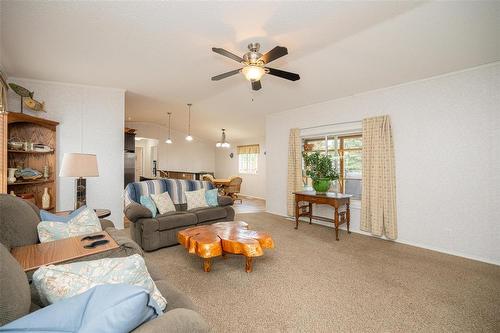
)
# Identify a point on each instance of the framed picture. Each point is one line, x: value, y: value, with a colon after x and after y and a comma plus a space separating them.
x: 3, y: 92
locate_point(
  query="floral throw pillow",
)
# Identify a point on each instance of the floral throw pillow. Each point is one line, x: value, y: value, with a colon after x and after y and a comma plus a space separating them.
x: 86, y: 222
x: 163, y: 202
x: 196, y: 199
x: 57, y: 282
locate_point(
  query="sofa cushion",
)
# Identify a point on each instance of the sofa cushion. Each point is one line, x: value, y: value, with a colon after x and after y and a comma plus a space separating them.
x: 18, y: 222
x: 104, y: 308
x: 16, y: 296
x: 209, y: 214
x: 57, y: 282
x: 163, y: 202
x: 149, y: 203
x: 172, y: 220
x: 86, y: 222
x: 196, y: 199
x: 48, y: 216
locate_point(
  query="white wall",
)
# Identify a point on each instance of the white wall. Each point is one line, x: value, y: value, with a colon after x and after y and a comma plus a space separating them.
x: 447, y: 151
x: 195, y: 156
x: 252, y: 185
x: 91, y: 121
x: 147, y: 145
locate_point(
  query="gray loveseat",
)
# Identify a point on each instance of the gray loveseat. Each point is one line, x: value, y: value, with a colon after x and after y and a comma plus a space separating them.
x: 154, y: 233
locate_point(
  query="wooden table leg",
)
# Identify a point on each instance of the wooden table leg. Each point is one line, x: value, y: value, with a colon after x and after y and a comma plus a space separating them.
x: 248, y: 264
x: 207, y: 264
x: 296, y: 214
x: 336, y: 221
x: 310, y: 212
x: 348, y: 216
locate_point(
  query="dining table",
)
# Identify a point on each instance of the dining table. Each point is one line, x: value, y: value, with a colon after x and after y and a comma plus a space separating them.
x: 221, y: 184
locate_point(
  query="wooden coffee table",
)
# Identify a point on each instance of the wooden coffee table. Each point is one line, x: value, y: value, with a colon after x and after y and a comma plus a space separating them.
x: 33, y: 256
x: 208, y: 241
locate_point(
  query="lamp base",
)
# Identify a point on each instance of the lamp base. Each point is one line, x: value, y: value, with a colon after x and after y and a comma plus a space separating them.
x: 81, y: 192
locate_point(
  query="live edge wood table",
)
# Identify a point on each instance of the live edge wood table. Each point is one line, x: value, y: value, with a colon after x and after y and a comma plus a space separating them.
x: 33, y: 256
x: 208, y: 241
x: 337, y: 200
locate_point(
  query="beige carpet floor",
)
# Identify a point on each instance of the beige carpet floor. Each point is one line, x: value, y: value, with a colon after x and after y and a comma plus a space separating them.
x: 311, y: 283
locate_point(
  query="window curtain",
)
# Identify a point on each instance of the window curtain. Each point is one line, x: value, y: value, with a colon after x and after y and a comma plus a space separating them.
x: 378, y: 199
x: 248, y: 149
x: 294, y: 168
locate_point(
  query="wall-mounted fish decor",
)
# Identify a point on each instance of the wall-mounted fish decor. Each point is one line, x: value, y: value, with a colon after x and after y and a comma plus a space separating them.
x: 27, y: 98
x: 21, y: 91
x: 34, y: 105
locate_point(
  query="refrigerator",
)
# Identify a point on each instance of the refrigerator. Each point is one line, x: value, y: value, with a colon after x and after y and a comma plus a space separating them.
x: 129, y: 155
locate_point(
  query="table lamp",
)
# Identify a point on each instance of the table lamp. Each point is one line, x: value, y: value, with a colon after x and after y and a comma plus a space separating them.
x: 79, y: 165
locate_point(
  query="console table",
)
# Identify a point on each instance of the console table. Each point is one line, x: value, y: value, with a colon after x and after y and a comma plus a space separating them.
x: 336, y: 200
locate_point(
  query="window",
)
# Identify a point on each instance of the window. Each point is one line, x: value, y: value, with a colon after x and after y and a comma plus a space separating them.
x: 248, y: 158
x: 345, y: 151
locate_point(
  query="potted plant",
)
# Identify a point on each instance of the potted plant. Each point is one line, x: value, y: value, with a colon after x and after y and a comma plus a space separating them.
x: 321, y: 170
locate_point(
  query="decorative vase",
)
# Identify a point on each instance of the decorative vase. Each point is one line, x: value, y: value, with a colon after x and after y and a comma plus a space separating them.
x: 321, y: 185
x: 45, y: 198
x: 12, y: 175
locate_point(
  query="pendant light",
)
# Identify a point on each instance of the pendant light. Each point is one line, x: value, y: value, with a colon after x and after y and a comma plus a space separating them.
x: 169, y: 140
x: 189, y: 137
x: 222, y: 143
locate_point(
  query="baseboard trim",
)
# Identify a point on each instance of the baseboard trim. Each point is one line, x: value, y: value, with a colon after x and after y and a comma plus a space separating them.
x: 425, y: 247
x: 250, y: 196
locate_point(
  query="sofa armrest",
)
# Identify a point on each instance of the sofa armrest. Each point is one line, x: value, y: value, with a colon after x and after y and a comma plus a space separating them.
x: 177, y: 320
x: 224, y: 200
x: 106, y: 224
x: 127, y: 247
x: 134, y: 211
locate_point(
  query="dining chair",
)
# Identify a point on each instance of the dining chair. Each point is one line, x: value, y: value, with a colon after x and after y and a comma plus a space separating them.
x: 233, y: 188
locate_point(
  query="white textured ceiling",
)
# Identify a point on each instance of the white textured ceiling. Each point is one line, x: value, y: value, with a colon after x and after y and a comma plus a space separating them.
x: 160, y: 52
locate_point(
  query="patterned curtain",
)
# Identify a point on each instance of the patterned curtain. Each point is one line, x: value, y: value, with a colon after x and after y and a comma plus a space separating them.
x: 294, y: 168
x: 378, y: 199
x: 248, y: 149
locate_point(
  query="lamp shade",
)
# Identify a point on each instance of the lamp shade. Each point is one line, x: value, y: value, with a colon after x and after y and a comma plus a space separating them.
x: 79, y: 165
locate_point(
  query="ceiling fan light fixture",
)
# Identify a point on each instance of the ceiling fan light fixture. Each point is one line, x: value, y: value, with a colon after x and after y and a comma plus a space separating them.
x: 253, y: 73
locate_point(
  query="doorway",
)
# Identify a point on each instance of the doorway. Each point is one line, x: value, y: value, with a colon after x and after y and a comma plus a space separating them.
x: 139, y: 163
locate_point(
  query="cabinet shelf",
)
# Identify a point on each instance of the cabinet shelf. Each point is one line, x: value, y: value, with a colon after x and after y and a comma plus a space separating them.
x: 29, y: 152
x: 31, y: 182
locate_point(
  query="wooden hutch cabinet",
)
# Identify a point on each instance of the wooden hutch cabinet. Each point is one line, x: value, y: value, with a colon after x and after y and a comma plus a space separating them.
x: 19, y: 127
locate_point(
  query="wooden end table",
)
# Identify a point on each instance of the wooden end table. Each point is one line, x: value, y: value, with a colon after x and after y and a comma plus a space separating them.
x: 208, y: 241
x: 336, y: 200
x: 33, y: 256
x: 101, y: 213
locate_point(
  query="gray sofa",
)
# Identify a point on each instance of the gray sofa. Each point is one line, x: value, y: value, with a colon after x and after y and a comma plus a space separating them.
x: 18, y: 227
x: 161, y: 231
x: 18, y: 220
x: 16, y: 301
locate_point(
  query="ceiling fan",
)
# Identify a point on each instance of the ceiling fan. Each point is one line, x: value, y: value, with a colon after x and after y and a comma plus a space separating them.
x: 254, y: 64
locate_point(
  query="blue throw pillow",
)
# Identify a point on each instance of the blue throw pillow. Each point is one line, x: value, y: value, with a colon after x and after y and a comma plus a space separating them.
x: 109, y: 308
x: 211, y: 197
x: 47, y: 216
x: 147, y: 202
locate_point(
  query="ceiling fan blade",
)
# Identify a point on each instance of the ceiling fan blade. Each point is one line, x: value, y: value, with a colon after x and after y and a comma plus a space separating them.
x: 256, y: 85
x: 277, y: 52
x: 227, y: 54
x: 224, y: 75
x: 283, y: 74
